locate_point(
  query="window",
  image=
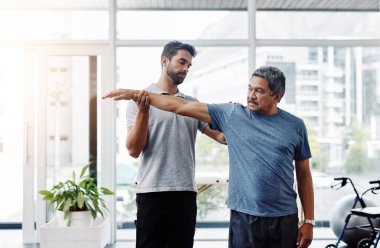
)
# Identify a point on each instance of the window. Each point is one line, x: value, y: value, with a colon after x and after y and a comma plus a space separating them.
x: 339, y: 111
x: 11, y: 133
x: 182, y: 25
x: 313, y: 55
x: 317, y: 25
x: 53, y: 25
x: 308, y: 75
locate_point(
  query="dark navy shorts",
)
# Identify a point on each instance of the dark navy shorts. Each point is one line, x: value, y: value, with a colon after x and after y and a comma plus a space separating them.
x: 166, y: 219
x: 248, y: 231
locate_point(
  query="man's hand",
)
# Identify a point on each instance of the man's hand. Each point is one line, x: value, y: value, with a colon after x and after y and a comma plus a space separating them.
x: 304, y: 236
x: 221, y: 139
x: 142, y: 101
x: 120, y: 94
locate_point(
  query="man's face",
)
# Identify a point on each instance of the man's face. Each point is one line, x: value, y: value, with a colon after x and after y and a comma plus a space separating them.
x: 178, y: 67
x: 260, y: 98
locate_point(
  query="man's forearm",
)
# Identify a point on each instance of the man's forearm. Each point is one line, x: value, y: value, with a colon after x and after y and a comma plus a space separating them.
x: 138, y: 134
x: 307, y: 199
x: 167, y: 103
x: 173, y: 104
x: 305, y: 188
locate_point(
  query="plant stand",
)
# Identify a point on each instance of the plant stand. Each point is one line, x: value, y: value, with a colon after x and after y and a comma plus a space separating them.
x: 96, y: 236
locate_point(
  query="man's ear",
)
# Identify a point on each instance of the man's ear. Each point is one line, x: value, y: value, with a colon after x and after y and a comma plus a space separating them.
x: 164, y: 61
x: 278, y: 96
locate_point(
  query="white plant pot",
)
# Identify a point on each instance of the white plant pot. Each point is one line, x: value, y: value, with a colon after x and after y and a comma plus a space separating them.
x: 78, y: 219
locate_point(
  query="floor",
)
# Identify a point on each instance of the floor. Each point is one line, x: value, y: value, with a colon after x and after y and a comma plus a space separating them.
x: 204, y: 238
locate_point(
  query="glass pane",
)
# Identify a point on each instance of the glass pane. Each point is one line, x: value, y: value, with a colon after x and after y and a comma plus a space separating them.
x: 182, y: 25
x: 57, y: 25
x: 71, y: 136
x: 11, y: 134
x: 217, y: 75
x: 336, y: 91
x: 317, y: 25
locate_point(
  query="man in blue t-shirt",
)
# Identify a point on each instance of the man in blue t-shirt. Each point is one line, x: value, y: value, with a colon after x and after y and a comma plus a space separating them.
x: 263, y: 141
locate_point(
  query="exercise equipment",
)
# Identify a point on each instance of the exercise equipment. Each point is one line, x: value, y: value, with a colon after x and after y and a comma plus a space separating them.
x: 346, y: 225
x: 372, y: 213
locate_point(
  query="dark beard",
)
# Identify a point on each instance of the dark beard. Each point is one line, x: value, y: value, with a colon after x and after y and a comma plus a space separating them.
x: 177, y: 80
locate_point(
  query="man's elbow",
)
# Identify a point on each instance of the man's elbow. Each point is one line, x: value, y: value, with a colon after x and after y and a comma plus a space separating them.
x: 133, y: 152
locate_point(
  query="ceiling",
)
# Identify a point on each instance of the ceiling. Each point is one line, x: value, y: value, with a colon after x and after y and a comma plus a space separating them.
x: 332, y: 5
x: 299, y: 5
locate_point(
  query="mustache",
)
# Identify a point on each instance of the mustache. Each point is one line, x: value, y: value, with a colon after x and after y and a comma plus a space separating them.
x: 252, y: 101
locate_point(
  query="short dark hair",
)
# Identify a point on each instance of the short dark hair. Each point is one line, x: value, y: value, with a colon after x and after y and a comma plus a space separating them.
x: 172, y: 47
x: 275, y: 77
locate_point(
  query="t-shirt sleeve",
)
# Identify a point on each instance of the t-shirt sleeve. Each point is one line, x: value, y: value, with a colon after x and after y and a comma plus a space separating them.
x: 131, y: 113
x: 220, y: 115
x: 303, y: 149
x: 201, y: 126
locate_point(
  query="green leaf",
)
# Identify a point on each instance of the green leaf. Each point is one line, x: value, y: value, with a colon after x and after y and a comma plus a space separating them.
x: 80, y: 200
x: 72, y: 183
x: 67, y: 205
x: 48, y: 197
x: 93, y: 213
x: 44, y: 192
x: 85, y: 169
x: 107, y: 191
x: 89, y: 204
x: 74, y: 176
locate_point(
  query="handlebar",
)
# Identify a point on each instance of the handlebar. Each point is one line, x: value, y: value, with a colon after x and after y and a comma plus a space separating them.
x: 358, y: 196
x: 342, y: 184
x: 340, y: 178
x: 373, y: 189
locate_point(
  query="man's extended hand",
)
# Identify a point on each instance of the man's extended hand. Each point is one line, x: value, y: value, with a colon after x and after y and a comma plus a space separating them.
x: 304, y: 236
x: 120, y: 94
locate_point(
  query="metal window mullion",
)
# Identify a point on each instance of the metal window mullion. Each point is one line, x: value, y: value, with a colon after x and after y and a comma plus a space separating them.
x: 318, y: 42
x: 251, y: 35
x: 197, y: 43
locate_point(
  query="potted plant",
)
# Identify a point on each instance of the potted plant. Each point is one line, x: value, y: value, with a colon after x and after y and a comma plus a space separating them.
x: 77, y: 199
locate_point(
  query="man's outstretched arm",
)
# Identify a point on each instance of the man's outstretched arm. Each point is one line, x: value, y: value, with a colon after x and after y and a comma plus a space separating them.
x: 173, y: 104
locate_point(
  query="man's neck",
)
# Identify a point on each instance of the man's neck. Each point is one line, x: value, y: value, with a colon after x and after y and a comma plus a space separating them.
x: 167, y: 86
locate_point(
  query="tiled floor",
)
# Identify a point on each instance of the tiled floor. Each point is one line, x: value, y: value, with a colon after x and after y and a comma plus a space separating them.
x: 204, y: 238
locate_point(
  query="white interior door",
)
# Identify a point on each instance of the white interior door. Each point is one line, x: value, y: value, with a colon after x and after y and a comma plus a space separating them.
x: 65, y: 126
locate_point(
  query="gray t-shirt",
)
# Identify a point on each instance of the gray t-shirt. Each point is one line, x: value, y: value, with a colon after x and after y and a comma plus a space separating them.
x: 167, y: 162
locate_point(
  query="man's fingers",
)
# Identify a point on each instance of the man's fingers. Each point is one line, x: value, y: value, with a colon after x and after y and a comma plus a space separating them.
x: 112, y: 94
x: 134, y: 97
x: 298, y: 238
x: 139, y: 96
x: 147, y: 101
x: 142, y: 100
x: 108, y: 95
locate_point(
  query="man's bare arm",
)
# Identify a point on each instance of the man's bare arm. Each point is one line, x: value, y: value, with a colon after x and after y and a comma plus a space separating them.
x: 214, y: 134
x: 173, y: 104
x: 306, y: 193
